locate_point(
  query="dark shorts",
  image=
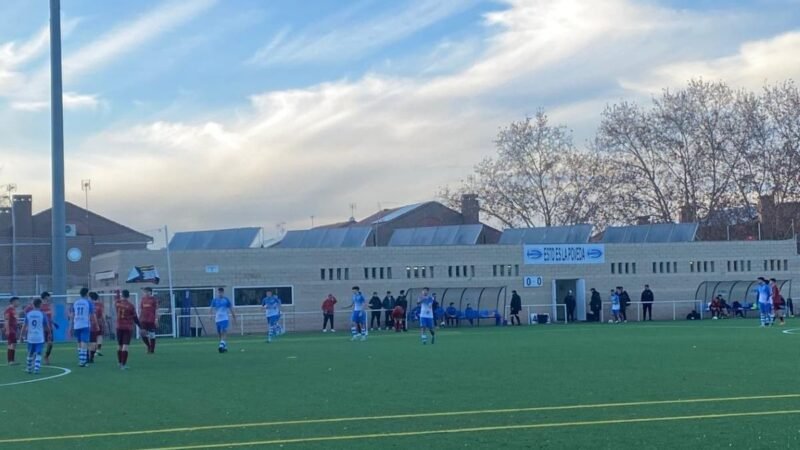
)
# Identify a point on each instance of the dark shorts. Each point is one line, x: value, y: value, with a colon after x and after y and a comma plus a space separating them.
x: 149, y: 326
x: 124, y: 337
x: 48, y: 336
x: 94, y: 335
x: 11, y: 338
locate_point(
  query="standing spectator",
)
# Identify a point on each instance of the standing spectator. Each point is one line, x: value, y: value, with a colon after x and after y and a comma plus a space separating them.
x: 327, y: 313
x: 624, y: 302
x: 516, y: 307
x: 375, y: 305
x: 451, y: 315
x: 647, y: 303
x: 403, y: 303
x: 595, y: 305
x: 388, y: 306
x: 569, y: 300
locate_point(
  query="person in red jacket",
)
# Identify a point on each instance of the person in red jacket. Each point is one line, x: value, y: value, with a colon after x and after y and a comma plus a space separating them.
x: 327, y: 312
x: 399, y: 318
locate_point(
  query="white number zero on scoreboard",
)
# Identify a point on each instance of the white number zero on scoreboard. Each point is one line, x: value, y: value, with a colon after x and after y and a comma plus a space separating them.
x: 532, y: 281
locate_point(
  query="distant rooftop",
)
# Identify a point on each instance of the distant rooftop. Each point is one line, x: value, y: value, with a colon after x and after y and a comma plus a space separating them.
x: 437, y: 236
x: 326, y: 238
x: 653, y: 233
x: 234, y: 238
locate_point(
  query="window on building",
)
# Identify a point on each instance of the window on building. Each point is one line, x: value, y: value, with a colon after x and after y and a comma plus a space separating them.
x: 516, y: 270
x: 765, y: 265
x: 408, y: 272
x: 389, y: 273
x: 338, y: 273
x: 502, y: 270
x: 735, y: 266
x: 613, y: 268
x: 674, y: 266
x: 705, y: 266
x: 380, y: 272
x: 464, y: 271
x: 749, y: 269
x: 250, y: 296
x: 458, y: 271
x: 712, y: 266
x: 423, y: 272
x: 661, y: 267
x: 779, y: 264
x: 494, y: 270
x: 633, y: 266
x: 430, y: 271
x: 416, y: 272
x: 366, y: 273
x: 654, y: 267
x: 771, y: 264
x: 472, y: 271
x: 330, y: 273
x: 729, y: 266
x: 374, y: 273
x: 346, y: 273
x: 322, y: 274
x: 450, y: 271
x: 785, y: 264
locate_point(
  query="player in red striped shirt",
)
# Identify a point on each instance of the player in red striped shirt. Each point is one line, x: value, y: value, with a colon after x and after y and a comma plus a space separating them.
x: 148, y: 313
x: 10, y: 317
x: 126, y: 319
x: 96, y: 336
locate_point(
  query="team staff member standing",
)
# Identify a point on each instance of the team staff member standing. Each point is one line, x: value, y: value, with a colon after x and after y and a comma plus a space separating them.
x: 516, y: 307
x: 375, y: 305
x: 148, y: 312
x: 327, y: 312
x: 647, y: 303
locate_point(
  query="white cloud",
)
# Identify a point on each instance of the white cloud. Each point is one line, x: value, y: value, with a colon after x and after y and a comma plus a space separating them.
x: 288, y: 154
x: 71, y: 101
x: 346, y: 41
x: 764, y: 61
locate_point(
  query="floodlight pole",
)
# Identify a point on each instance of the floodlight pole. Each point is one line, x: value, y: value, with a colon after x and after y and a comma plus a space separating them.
x: 58, y: 232
x: 169, y: 278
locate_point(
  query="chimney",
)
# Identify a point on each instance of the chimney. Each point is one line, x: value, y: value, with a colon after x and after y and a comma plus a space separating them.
x: 470, y: 209
x: 23, y: 215
x: 686, y: 214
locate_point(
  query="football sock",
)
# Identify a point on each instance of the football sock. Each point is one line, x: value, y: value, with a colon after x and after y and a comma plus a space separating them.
x: 30, y: 363
x: 37, y: 363
x: 124, y: 357
x: 119, y: 356
x: 152, y: 347
x: 49, y: 350
x: 10, y: 355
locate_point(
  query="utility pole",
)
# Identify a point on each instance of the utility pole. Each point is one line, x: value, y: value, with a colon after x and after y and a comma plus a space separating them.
x: 10, y: 188
x: 58, y: 232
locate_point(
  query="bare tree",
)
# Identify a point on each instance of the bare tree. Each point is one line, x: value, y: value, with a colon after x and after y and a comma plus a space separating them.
x: 537, y: 177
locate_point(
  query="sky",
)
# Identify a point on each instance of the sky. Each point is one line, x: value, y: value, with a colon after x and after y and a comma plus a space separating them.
x: 218, y: 114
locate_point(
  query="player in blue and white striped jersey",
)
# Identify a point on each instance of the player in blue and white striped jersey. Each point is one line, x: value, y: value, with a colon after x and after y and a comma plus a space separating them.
x: 425, y: 303
x: 82, y: 320
x: 272, y: 305
x: 34, y: 328
x: 358, y: 325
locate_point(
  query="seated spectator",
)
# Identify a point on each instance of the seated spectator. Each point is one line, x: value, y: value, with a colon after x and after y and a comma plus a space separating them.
x: 716, y: 307
x: 694, y: 315
x: 451, y: 315
x: 470, y: 315
x: 738, y: 311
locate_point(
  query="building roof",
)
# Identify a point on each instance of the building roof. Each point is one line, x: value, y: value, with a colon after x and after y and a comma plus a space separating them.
x: 75, y: 214
x: 436, y: 236
x: 326, y: 238
x: 653, y: 233
x: 234, y: 238
x: 570, y: 234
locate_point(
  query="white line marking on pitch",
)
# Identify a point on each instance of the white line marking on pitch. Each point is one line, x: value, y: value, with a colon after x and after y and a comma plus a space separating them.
x: 64, y: 371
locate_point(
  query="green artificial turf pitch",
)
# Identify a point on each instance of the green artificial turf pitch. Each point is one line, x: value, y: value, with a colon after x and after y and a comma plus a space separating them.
x: 720, y: 384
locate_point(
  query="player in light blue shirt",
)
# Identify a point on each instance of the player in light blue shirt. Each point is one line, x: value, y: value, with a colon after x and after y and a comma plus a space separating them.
x: 358, y: 320
x: 222, y: 308
x: 272, y: 305
x: 82, y: 320
x: 425, y: 303
x: 764, y: 292
x: 34, y: 329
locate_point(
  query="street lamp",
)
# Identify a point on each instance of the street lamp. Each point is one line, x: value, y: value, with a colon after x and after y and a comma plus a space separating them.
x: 86, y: 186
